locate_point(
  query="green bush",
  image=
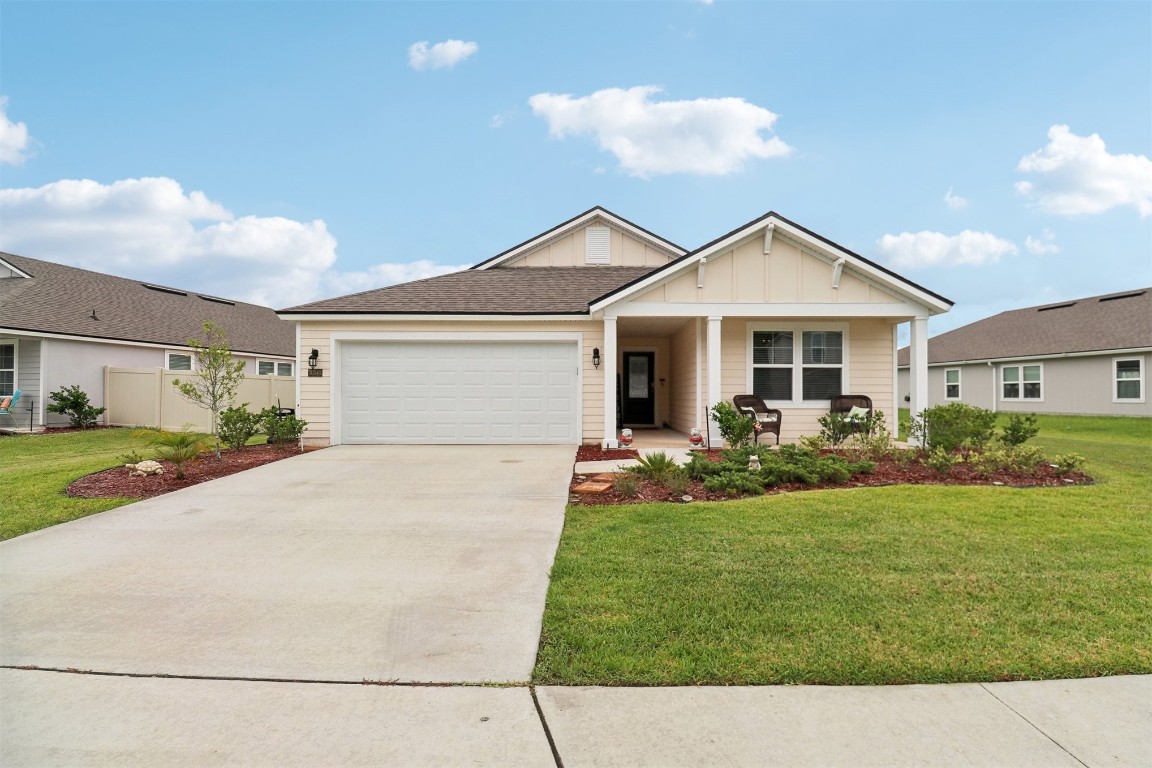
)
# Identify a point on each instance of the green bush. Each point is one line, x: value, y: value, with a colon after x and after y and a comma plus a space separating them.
x: 1020, y: 429
x: 626, y: 484
x: 237, y: 426
x: 177, y: 447
x: 676, y: 482
x: 1067, y: 462
x: 874, y: 443
x: 941, y: 460
x: 700, y: 467
x: 73, y: 403
x: 281, y: 429
x: 655, y: 466
x: 952, y: 426
x: 736, y: 428
x: 735, y: 483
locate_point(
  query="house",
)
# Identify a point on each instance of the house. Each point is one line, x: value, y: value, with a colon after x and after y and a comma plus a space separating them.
x: 1088, y: 356
x: 599, y: 322
x: 61, y: 326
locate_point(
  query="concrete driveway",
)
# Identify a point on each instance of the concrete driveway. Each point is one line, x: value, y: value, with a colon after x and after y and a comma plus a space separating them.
x: 414, y: 563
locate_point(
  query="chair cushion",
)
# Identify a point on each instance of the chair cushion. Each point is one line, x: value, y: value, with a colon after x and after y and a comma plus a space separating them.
x: 857, y: 413
x: 5, y: 402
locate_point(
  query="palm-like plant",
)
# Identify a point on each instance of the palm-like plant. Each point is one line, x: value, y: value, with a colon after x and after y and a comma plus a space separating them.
x: 176, y: 447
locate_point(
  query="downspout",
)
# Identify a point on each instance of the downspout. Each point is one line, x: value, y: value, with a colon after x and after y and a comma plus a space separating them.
x: 993, y: 369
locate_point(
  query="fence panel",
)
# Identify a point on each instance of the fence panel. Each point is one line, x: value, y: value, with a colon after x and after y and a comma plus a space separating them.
x: 146, y: 397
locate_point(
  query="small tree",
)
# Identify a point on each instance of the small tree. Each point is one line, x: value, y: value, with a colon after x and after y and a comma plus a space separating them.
x: 73, y: 403
x: 216, y: 378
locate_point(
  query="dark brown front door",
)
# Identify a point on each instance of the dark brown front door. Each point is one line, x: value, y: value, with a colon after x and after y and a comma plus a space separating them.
x: 638, y: 400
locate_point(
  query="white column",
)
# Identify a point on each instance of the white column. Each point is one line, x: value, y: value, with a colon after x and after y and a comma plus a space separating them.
x: 608, y: 356
x: 918, y: 364
x: 713, y: 377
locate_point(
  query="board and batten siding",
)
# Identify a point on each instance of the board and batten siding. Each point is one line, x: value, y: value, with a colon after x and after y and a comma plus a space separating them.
x: 315, y: 405
x: 683, y: 396
x: 568, y: 251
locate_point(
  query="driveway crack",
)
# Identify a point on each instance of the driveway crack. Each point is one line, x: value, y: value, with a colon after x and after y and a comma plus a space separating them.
x: 1038, y: 728
x: 547, y: 730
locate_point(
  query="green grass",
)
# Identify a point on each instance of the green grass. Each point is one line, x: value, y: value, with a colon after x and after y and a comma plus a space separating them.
x: 867, y: 586
x: 36, y: 470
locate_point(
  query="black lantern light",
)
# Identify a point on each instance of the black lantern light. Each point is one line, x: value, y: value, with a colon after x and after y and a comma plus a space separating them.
x: 596, y: 357
x: 313, y: 358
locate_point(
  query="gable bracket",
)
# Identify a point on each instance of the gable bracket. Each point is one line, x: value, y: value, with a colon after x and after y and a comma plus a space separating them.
x: 700, y: 271
x: 837, y: 269
x: 768, y: 236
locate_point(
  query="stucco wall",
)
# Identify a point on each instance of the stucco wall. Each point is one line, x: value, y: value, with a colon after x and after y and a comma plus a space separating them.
x: 568, y: 251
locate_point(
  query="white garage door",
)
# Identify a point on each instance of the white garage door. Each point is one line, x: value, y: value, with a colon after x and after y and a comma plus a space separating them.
x: 458, y: 392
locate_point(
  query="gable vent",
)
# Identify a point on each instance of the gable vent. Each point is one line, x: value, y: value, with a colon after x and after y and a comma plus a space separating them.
x: 596, y: 246
x: 1123, y: 296
x: 162, y: 289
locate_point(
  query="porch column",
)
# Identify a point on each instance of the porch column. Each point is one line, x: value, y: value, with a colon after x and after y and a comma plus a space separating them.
x: 918, y: 364
x: 713, y: 377
x: 608, y: 356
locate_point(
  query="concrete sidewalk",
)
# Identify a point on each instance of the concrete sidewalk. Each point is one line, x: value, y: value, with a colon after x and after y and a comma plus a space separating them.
x: 50, y: 718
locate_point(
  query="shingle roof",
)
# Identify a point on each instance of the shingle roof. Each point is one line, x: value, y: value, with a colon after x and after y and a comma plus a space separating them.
x: 1097, y: 323
x: 60, y: 299
x: 502, y: 290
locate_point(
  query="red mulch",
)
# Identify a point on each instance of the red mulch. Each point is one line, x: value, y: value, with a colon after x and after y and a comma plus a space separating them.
x: 118, y: 483
x: 596, y: 453
x: 887, y: 473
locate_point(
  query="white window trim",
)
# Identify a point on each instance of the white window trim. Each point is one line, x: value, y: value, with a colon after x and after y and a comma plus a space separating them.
x: 16, y: 364
x: 1021, y: 398
x: 959, y: 384
x: 168, y: 362
x: 797, y: 330
x: 275, y: 366
x: 1116, y: 380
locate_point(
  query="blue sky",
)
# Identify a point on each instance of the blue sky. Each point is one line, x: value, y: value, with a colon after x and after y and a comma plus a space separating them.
x: 280, y: 152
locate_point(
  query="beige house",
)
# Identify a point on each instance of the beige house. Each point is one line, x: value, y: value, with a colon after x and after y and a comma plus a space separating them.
x: 598, y: 323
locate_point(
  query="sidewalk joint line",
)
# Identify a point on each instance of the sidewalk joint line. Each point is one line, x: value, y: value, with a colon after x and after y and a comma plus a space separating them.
x: 547, y: 730
x: 239, y: 679
x: 1036, y: 727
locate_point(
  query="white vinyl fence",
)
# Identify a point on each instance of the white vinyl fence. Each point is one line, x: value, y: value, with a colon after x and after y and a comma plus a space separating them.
x: 145, y: 397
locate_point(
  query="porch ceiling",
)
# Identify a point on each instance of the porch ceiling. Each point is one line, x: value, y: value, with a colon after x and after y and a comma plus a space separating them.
x: 650, y: 326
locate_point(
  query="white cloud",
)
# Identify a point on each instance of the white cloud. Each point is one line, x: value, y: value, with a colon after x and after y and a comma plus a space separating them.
x: 1043, y: 245
x: 929, y: 249
x: 14, y: 140
x: 955, y: 202
x: 449, y: 53
x: 1075, y: 175
x: 151, y: 229
x: 710, y: 137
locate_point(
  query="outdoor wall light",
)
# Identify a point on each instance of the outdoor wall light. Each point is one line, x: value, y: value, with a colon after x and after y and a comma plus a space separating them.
x: 313, y: 358
x: 596, y: 357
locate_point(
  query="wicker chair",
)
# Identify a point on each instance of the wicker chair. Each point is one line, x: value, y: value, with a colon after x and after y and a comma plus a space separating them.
x: 843, y: 404
x: 768, y: 419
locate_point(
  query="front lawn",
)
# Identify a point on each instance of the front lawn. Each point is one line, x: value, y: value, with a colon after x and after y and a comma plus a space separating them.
x: 35, y: 470
x: 866, y: 586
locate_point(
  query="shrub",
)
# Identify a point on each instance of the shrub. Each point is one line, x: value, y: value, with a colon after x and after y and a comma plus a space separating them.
x: 237, y: 426
x: 941, y: 460
x: 952, y: 426
x: 177, y: 447
x: 281, y: 428
x: 1067, y: 462
x: 735, y: 483
x: 834, y: 428
x: 655, y: 466
x: 1020, y: 429
x: 676, y: 482
x: 815, y: 443
x: 736, y: 428
x: 873, y: 444
x: 626, y: 484
x: 73, y: 403
x: 700, y: 467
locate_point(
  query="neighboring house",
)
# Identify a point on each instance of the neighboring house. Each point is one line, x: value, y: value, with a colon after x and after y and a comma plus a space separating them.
x: 528, y: 346
x: 1088, y: 356
x: 60, y: 326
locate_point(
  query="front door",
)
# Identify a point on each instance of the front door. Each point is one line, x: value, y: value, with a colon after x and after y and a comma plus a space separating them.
x: 638, y: 400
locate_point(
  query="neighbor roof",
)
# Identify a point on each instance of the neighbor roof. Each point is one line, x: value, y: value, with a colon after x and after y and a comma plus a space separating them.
x: 1096, y: 324
x: 58, y: 299
x: 497, y: 291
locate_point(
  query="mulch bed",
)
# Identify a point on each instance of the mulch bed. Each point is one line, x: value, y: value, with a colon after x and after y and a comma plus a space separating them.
x: 887, y: 473
x: 596, y: 453
x: 118, y: 483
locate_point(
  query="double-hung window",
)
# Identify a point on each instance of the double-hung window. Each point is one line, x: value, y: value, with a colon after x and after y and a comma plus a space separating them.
x: 797, y: 364
x: 7, y: 368
x: 273, y: 368
x: 952, y: 384
x: 1022, y: 382
x: 1128, y: 375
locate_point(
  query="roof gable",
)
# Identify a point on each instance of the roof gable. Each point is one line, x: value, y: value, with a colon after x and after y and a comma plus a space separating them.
x: 1115, y: 321
x: 591, y: 217
x: 56, y: 299
x: 769, y: 229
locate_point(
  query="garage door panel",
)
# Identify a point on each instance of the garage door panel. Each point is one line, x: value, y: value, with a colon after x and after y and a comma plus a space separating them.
x: 458, y: 392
